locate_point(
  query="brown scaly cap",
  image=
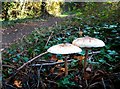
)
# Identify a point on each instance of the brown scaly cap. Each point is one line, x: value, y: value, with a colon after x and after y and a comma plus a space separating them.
x: 88, y: 42
x: 65, y: 48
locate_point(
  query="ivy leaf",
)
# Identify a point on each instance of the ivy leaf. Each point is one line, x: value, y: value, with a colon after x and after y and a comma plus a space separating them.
x: 18, y: 55
x: 25, y: 59
x: 112, y: 52
x: 15, y: 59
x: 102, y: 61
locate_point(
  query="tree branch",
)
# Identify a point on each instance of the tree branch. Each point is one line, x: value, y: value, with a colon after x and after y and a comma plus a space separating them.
x: 49, y: 64
x: 31, y: 60
x: 26, y: 64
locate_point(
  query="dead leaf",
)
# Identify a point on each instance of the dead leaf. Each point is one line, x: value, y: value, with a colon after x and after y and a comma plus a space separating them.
x: 59, y: 64
x: 53, y: 58
x: 60, y: 61
x: 18, y: 83
x: 79, y: 57
x: 62, y: 69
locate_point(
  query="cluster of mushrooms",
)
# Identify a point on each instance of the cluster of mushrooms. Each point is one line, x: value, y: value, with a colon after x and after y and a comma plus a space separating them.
x: 66, y: 48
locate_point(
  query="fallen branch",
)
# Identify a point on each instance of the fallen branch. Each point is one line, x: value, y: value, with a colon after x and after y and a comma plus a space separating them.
x: 46, y: 64
x: 49, y: 64
x: 31, y: 60
x: 44, y: 61
x: 26, y: 64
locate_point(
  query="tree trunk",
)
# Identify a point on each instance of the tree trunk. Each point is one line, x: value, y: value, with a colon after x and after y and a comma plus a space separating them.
x: 5, y: 10
x: 44, y: 11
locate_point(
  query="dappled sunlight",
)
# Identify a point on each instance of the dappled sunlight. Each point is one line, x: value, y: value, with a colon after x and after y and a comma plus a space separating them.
x: 54, y: 7
x: 62, y: 15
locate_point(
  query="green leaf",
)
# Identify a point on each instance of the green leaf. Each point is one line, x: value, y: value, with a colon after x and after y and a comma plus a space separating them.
x: 25, y: 59
x: 102, y: 61
x: 15, y: 59
x: 112, y: 52
x: 18, y: 55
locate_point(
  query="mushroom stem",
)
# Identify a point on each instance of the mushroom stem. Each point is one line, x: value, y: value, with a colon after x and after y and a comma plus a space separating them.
x: 66, y: 68
x: 85, y: 61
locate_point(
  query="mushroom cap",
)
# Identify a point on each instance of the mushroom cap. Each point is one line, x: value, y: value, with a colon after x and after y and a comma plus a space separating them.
x: 65, y: 48
x: 88, y: 42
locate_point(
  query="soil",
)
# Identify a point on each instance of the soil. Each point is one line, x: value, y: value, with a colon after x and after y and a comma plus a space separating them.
x: 13, y: 33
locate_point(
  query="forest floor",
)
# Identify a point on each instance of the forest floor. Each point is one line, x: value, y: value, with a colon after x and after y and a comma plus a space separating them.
x: 12, y: 33
x: 103, y: 69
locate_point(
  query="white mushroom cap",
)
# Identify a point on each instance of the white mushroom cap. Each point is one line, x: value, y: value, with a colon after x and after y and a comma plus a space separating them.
x: 88, y: 42
x: 65, y: 48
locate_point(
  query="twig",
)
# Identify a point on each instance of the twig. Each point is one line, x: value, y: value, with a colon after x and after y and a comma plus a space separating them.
x: 31, y: 60
x: 103, y: 83
x: 40, y: 79
x: 90, y: 57
x: 53, y: 82
x: 59, y: 75
x: 49, y: 38
x: 8, y: 66
x: 49, y: 64
x: 94, y: 52
x: 86, y: 82
x: 28, y: 85
x: 44, y: 61
x: 26, y: 64
x: 90, y: 86
x: 109, y: 65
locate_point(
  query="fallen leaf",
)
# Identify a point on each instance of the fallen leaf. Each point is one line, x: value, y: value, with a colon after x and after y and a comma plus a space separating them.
x: 62, y: 69
x: 60, y: 61
x: 79, y: 57
x: 53, y: 58
x: 59, y: 64
x: 18, y: 83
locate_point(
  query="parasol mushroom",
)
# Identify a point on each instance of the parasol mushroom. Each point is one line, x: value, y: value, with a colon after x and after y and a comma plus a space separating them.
x: 64, y: 48
x: 87, y: 43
